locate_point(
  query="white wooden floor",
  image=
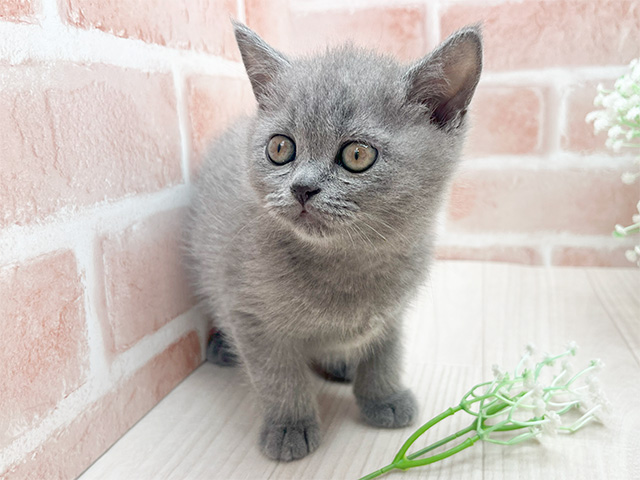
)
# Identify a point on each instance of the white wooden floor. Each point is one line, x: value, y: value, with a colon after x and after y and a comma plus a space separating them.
x: 471, y: 316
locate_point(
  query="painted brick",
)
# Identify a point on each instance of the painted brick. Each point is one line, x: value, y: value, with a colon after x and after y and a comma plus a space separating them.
x: 579, y: 201
x: 71, y: 449
x: 591, y: 257
x: 495, y: 253
x: 271, y: 20
x: 189, y: 24
x: 548, y: 33
x: 399, y: 31
x: 214, y: 103
x: 145, y: 283
x: 19, y: 10
x: 75, y: 135
x: 505, y: 120
x: 44, y: 356
x: 577, y: 134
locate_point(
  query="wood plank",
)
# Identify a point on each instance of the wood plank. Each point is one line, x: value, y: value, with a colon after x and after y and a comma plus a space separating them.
x: 551, y: 307
x: 475, y: 315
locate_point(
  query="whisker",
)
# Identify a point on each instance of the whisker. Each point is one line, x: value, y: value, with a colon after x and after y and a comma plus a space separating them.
x: 379, y: 234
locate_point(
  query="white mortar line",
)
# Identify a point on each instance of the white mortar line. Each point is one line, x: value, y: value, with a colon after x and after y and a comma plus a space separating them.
x: 242, y: 12
x: 50, y: 16
x: 57, y: 42
x: 554, y: 119
x: 179, y: 82
x: 127, y: 364
x: 311, y: 6
x: 432, y: 23
x: 553, y: 75
x: 557, y: 161
x: 85, y: 254
x: 535, y: 239
x: 130, y: 361
x: 60, y: 231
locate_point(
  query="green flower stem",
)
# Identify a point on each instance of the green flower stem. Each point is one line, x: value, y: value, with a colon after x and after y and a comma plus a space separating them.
x: 403, y: 450
x: 499, y: 405
x: 444, y: 441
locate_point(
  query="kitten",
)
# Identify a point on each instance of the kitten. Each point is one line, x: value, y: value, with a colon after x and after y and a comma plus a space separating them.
x: 312, y: 224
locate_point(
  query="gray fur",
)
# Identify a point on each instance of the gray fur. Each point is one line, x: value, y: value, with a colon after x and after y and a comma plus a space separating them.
x: 332, y: 288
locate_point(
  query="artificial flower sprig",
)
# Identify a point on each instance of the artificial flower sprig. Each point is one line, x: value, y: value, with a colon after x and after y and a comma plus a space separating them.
x: 514, y: 407
x: 621, y: 118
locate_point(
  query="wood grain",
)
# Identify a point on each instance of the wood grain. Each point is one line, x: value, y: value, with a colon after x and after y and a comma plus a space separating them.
x: 471, y: 316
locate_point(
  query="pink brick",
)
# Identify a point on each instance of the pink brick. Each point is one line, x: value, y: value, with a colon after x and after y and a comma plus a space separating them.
x: 535, y: 33
x: 19, y: 10
x: 495, y: 253
x: 577, y: 134
x: 145, y: 283
x: 214, y: 103
x: 44, y: 353
x: 271, y: 20
x: 591, y: 257
x: 188, y: 24
x: 71, y: 449
x: 505, y: 120
x: 399, y: 31
x: 571, y: 200
x: 75, y: 135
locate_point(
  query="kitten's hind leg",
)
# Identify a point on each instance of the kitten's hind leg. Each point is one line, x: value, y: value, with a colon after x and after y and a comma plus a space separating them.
x: 220, y: 351
x: 339, y: 371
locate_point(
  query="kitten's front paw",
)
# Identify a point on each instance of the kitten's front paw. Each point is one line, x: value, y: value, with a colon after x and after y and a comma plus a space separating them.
x: 395, y: 411
x: 289, y: 441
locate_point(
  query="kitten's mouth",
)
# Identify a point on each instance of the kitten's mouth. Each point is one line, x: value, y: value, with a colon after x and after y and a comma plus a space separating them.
x: 311, y: 223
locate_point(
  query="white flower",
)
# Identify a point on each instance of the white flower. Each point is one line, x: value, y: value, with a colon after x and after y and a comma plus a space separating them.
x: 628, y: 178
x: 615, y: 131
x: 601, y: 122
x: 553, y: 423
x: 617, y: 145
x: 572, y: 347
x: 624, y: 85
x: 633, y: 113
x: 597, y: 101
x: 629, y: 135
x: 539, y: 407
x: 633, y: 101
x: 498, y: 374
x: 631, y: 255
x: 612, y: 100
x: 635, y: 70
x: 620, y: 229
x: 531, y: 348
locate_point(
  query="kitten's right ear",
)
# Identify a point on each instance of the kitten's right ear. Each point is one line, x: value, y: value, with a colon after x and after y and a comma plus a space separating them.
x: 263, y: 63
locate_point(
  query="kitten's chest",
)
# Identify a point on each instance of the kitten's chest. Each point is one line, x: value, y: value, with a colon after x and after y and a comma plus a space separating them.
x: 334, y: 296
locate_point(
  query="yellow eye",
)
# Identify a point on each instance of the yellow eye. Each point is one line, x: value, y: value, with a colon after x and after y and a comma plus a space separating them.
x: 357, y: 157
x: 281, y: 149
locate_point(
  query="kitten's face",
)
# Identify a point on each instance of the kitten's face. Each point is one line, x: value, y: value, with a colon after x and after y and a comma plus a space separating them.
x: 351, y: 146
x: 340, y: 153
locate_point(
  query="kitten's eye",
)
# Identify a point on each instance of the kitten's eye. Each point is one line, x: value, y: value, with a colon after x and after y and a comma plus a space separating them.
x: 281, y: 149
x: 357, y: 157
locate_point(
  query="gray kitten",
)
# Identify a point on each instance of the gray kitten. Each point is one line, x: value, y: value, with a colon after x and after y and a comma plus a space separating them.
x: 312, y: 225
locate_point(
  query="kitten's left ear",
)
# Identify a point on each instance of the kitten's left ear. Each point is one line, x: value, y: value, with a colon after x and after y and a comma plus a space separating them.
x: 263, y: 63
x: 446, y: 79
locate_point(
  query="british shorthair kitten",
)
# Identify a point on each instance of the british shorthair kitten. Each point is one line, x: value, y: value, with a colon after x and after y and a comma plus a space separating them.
x: 312, y: 225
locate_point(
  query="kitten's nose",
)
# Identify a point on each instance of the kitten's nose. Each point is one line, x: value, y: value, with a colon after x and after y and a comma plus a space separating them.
x: 303, y: 192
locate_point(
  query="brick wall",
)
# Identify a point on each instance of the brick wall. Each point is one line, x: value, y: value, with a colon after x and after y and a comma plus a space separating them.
x: 106, y: 108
